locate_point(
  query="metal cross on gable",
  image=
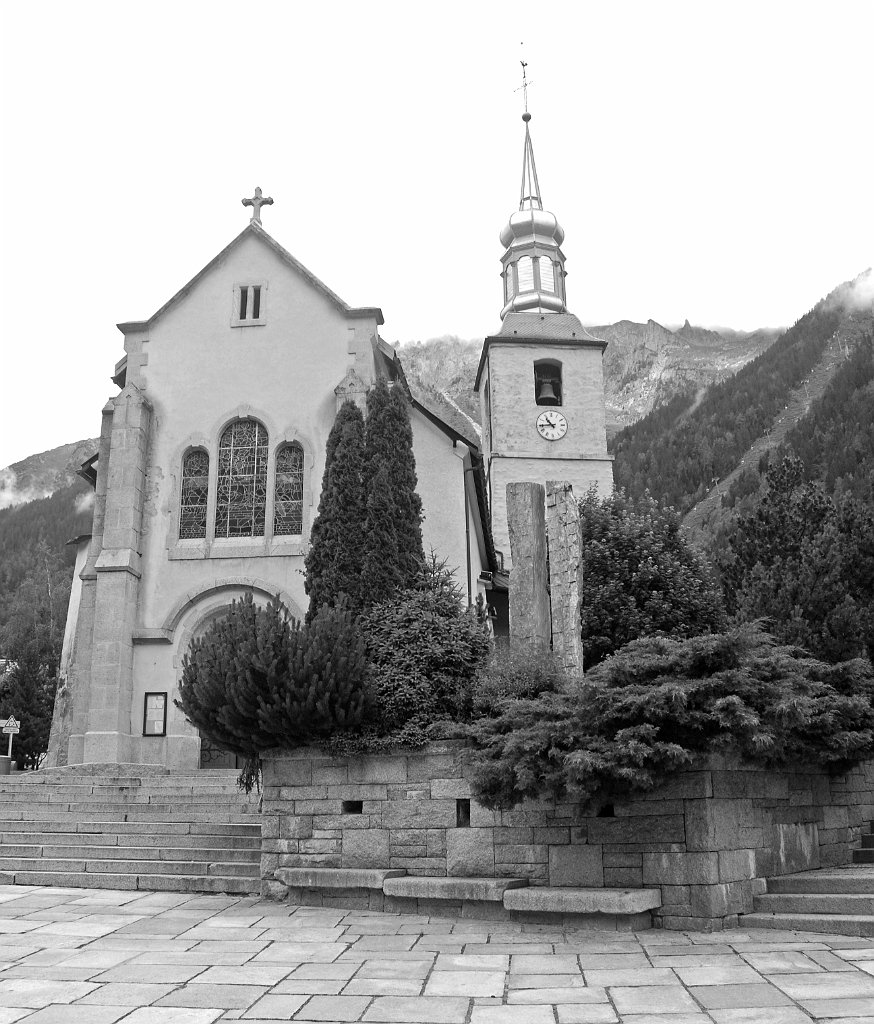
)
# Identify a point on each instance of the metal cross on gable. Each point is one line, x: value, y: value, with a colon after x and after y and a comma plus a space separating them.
x: 256, y: 202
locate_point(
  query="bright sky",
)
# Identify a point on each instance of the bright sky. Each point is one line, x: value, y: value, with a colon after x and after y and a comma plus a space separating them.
x: 710, y: 161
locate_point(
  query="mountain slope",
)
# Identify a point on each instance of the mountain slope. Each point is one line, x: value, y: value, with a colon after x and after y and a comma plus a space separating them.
x: 823, y: 405
x: 40, y: 475
x: 645, y: 365
x: 678, y: 461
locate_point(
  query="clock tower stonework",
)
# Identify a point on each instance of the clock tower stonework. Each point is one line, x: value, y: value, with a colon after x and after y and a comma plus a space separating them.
x: 540, y: 378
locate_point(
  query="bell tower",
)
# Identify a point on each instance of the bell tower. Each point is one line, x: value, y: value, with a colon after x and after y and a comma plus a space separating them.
x: 540, y: 378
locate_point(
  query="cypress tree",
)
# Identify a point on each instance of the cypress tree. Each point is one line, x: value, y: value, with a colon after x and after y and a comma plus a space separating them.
x: 336, y: 555
x: 383, y: 573
x: 389, y: 448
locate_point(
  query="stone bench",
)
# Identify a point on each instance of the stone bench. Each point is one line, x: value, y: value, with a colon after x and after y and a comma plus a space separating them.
x: 559, y: 900
x: 336, y: 878
x: 430, y: 888
x: 472, y: 897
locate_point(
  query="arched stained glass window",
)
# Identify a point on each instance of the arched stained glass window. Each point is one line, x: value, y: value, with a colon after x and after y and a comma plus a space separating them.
x: 288, y: 495
x: 241, y: 499
x: 195, y: 493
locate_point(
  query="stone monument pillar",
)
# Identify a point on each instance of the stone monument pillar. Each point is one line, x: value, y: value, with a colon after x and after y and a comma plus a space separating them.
x: 529, y: 596
x: 565, y: 575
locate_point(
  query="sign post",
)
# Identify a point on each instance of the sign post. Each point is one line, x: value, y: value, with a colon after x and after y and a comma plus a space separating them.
x: 11, y: 728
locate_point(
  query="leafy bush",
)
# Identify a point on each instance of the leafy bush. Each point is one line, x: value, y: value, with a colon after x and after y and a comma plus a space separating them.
x: 515, y: 673
x: 424, y: 649
x: 641, y: 577
x: 659, y: 705
x: 257, y: 680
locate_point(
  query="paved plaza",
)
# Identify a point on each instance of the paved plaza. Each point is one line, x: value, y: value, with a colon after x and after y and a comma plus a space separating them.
x: 87, y: 956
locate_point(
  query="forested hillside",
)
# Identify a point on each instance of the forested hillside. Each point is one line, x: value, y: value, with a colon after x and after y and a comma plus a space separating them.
x: 834, y: 441
x: 679, y: 450
x: 51, y: 522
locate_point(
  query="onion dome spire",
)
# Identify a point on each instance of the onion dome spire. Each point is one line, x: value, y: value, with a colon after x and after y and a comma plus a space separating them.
x: 533, y: 262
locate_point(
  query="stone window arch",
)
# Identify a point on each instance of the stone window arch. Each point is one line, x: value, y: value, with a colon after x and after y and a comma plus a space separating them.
x: 288, y: 491
x: 547, y: 382
x: 241, y: 492
x: 194, y: 495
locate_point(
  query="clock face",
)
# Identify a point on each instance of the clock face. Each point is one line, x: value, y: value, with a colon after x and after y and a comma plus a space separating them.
x: 551, y: 425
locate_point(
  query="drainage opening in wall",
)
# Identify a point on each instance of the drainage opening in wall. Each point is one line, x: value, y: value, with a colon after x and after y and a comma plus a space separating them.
x: 352, y: 807
x: 606, y: 811
x: 462, y: 813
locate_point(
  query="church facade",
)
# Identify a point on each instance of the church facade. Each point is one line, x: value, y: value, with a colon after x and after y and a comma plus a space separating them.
x: 212, y: 453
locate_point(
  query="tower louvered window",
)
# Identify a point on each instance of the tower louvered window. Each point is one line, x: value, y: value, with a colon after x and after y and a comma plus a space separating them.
x: 547, y: 278
x: 241, y: 499
x: 525, y: 270
x: 288, y: 495
x: 195, y: 494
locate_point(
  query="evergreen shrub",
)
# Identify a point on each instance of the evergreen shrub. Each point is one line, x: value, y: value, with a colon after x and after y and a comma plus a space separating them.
x: 424, y: 649
x: 515, y: 672
x: 257, y: 679
x: 335, y: 558
x: 642, y: 577
x: 660, y: 705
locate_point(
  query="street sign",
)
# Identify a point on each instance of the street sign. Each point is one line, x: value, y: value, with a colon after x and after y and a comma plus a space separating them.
x: 11, y: 727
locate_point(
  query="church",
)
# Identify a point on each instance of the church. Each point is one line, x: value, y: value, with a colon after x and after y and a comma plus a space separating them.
x: 212, y: 451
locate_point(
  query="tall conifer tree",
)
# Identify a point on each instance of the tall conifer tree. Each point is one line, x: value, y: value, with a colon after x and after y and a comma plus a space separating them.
x: 390, y: 470
x: 335, y: 559
x: 383, y: 573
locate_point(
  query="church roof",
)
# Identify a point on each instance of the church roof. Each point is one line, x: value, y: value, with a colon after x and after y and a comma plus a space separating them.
x: 456, y: 426
x: 255, y: 228
x: 533, y: 326
x: 546, y: 326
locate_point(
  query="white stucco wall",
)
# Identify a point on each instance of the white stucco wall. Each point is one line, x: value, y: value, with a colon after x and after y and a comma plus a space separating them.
x: 440, y: 467
x: 199, y: 373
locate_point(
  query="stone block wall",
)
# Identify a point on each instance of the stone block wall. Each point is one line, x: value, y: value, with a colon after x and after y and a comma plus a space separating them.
x: 707, y: 838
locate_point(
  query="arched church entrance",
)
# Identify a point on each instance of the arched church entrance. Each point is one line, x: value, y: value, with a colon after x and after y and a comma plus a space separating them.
x: 204, y: 610
x: 211, y: 755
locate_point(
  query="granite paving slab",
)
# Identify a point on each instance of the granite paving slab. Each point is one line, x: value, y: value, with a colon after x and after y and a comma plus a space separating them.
x: 73, y: 956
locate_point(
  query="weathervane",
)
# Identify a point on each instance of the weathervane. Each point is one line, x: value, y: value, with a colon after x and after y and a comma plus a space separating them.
x: 256, y: 202
x: 523, y: 88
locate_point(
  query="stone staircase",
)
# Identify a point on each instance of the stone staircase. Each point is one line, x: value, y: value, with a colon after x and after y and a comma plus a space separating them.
x: 837, y: 900
x: 130, y: 827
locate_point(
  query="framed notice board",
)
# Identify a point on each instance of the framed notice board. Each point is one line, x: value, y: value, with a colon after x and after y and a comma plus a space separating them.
x: 155, y: 714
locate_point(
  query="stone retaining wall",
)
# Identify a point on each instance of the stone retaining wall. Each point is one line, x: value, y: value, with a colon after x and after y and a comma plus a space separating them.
x: 707, y: 838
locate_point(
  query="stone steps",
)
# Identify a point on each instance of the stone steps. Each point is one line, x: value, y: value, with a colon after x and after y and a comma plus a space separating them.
x: 127, y: 853
x: 56, y: 865
x: 250, y: 827
x: 144, y: 882
x: 118, y: 840
x: 123, y: 813
x: 839, y: 880
x: 815, y: 903
x: 115, y: 829
x: 836, y: 900
x: 836, y: 924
